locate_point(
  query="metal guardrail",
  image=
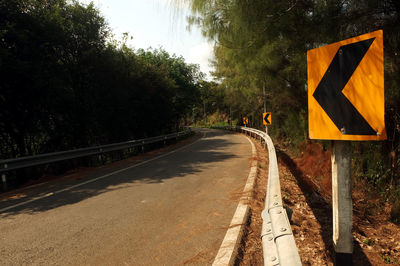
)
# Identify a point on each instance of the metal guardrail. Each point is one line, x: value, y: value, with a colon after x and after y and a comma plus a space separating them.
x: 279, y: 246
x: 23, y: 162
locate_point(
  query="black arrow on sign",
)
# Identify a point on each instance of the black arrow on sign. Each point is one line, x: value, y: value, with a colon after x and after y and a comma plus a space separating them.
x: 329, y: 91
x: 266, y: 119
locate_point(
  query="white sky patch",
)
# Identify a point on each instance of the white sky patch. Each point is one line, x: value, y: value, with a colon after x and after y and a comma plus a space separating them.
x: 157, y: 23
x: 180, y: 4
x: 201, y: 54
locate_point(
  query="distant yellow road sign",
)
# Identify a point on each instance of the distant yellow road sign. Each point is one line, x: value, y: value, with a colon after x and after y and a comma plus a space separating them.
x: 267, y: 118
x: 245, y: 120
x: 346, y: 89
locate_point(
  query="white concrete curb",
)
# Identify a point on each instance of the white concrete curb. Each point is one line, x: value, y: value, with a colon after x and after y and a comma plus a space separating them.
x: 229, y: 247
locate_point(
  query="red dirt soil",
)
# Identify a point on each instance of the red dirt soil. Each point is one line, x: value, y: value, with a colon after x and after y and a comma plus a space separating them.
x: 376, y: 238
x: 315, y: 164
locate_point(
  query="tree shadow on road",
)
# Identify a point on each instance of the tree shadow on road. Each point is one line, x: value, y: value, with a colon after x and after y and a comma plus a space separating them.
x: 193, y: 159
x: 322, y: 211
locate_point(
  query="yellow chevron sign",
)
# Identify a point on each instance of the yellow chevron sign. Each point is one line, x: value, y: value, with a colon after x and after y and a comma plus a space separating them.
x: 267, y: 118
x: 346, y: 89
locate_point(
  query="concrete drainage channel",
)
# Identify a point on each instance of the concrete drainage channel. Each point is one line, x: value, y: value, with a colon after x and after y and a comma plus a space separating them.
x: 279, y: 247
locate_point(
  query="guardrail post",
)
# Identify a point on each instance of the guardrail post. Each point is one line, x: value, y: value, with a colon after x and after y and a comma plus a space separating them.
x: 100, y: 157
x: 341, y: 202
x: 4, y: 178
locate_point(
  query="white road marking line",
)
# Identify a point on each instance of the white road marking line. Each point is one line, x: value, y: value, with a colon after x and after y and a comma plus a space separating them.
x: 98, y: 178
x: 229, y: 247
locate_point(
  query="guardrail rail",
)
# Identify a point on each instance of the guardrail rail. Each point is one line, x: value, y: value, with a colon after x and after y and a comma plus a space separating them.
x: 279, y: 246
x: 41, y: 159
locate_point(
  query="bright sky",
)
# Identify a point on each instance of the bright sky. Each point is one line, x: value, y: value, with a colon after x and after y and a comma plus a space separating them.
x: 156, y: 23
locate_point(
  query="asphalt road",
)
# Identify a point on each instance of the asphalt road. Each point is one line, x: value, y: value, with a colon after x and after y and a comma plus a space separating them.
x: 172, y: 210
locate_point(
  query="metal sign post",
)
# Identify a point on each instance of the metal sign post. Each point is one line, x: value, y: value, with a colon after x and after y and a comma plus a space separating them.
x: 265, y: 110
x: 342, y: 206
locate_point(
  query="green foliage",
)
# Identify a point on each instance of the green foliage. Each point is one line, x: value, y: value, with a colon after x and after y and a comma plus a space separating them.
x: 386, y: 259
x: 263, y: 44
x: 368, y: 164
x: 66, y: 84
x: 369, y: 242
x: 285, y: 129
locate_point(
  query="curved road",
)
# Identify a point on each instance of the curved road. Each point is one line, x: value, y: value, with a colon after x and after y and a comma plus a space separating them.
x: 172, y: 210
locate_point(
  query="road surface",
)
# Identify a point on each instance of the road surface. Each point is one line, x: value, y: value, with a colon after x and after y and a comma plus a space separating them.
x: 172, y: 210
